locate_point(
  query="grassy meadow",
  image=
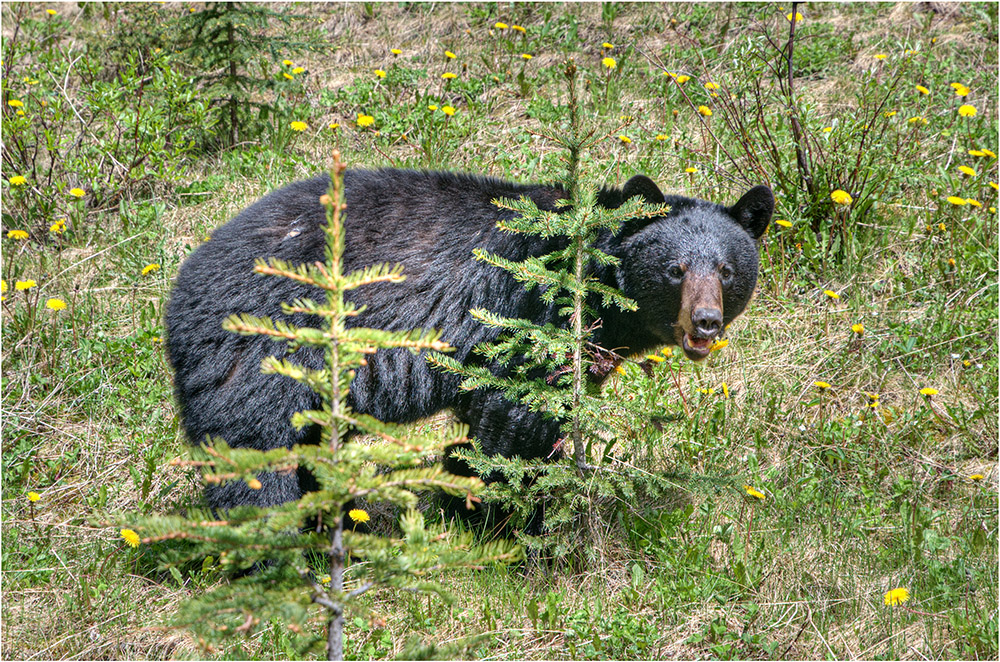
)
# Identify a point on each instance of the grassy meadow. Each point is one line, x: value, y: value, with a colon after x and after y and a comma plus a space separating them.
x: 842, y: 445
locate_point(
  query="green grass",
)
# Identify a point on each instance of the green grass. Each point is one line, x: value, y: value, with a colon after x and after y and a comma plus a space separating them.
x: 857, y: 500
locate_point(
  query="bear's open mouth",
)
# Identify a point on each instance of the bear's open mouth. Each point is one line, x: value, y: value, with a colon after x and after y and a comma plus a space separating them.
x: 696, y: 347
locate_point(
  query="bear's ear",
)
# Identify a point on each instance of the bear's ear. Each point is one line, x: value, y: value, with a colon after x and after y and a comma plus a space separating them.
x: 645, y: 187
x: 753, y: 211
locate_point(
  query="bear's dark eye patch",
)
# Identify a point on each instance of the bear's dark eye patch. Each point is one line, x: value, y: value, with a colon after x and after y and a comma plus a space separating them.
x: 675, y: 272
x: 725, y: 273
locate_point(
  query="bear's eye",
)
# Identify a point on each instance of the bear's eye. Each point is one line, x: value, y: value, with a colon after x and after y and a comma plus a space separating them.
x: 675, y: 272
x: 726, y: 273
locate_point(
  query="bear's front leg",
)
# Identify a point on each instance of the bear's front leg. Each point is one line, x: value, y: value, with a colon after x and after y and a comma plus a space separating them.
x: 506, y: 429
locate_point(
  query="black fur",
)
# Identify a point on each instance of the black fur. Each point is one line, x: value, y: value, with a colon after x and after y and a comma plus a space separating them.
x: 430, y: 222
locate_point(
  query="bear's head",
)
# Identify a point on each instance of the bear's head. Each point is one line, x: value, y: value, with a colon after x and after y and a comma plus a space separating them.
x: 694, y: 270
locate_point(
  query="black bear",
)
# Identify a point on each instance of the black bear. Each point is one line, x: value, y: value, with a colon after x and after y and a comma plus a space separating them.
x: 691, y: 272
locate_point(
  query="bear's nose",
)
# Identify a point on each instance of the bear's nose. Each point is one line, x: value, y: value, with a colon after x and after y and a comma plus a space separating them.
x: 707, y: 322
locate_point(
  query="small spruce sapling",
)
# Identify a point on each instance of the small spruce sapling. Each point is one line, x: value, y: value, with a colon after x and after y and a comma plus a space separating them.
x: 390, y: 465
x: 545, y: 366
x: 236, y: 44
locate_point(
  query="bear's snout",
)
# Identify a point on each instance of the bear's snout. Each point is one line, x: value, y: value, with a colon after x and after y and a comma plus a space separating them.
x: 700, y: 318
x: 707, y: 322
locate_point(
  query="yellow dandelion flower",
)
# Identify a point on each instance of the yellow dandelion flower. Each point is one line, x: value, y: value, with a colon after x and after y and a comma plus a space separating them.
x: 450, y: 55
x: 51, y: 12
x: 966, y: 110
x: 705, y: 110
x: 951, y: 262
x: 988, y: 152
x: 783, y: 223
x: 655, y: 357
x: 287, y: 75
x: 896, y: 596
x: 941, y: 227
x: 299, y: 70
x: 607, y: 45
x: 364, y: 120
x: 358, y: 515
x: 298, y: 126
x: 254, y: 484
x: 711, y: 86
x: 14, y: 103
x: 922, y: 89
x: 325, y: 579
x: 23, y: 285
x: 928, y: 391
x: 889, y: 113
x: 55, y: 304
x: 960, y: 90
x: 754, y: 493
x: 831, y: 294
x: 150, y: 268
x: 682, y: 79
x: 380, y: 73
x: 917, y: 119
x: 500, y: 26
x: 58, y: 227
x: 448, y: 110
x: 667, y: 351
x: 690, y: 169
x: 625, y: 139
x: 718, y: 344
x: 976, y: 152
x: 841, y: 197
x: 609, y: 62
x: 827, y: 129
x: 449, y: 75
x: 973, y: 477
x: 526, y: 56
x: 822, y: 385
x: 858, y: 328
x: 994, y: 186
x: 967, y: 171
x: 974, y: 203
x: 432, y: 108
x: 725, y: 390
x: 662, y: 136
x: 620, y: 370
x: 17, y: 234
x: 880, y: 56
x: 34, y: 496
x: 77, y: 192
x: 17, y: 180
x: 798, y: 16
x: 518, y: 28
x: 287, y: 63
x: 395, y: 51
x: 334, y: 125
x: 3, y: 286
x: 955, y: 200
x: 128, y: 535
